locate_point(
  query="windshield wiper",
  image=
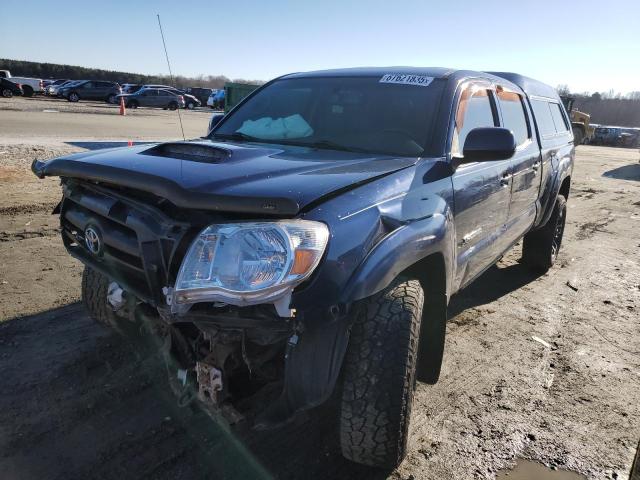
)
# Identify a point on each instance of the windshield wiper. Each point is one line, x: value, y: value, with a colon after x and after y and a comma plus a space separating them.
x: 243, y: 137
x: 329, y: 145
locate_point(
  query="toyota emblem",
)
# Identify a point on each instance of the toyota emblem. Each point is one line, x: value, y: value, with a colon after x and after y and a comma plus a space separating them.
x: 92, y: 240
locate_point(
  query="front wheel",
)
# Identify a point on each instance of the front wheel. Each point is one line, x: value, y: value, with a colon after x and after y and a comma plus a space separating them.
x: 191, y: 106
x: 111, y: 98
x: 132, y: 104
x: 173, y: 106
x: 74, y: 97
x: 94, y: 297
x: 540, y: 247
x: 379, y: 376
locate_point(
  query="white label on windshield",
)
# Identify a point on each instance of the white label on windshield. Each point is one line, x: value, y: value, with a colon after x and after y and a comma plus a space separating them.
x: 404, y: 79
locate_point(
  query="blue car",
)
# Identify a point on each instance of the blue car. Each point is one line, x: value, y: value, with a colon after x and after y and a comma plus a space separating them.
x: 310, y: 244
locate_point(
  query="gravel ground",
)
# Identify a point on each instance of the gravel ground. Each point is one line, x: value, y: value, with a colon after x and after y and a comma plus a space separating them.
x: 545, y: 368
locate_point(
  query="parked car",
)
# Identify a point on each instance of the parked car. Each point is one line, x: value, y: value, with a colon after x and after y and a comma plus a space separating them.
x: 190, y: 101
x: 53, y: 90
x: 131, y: 87
x: 156, y: 86
x: 30, y: 86
x: 201, y: 94
x: 153, y: 97
x: 312, y: 242
x: 8, y: 88
x: 91, y: 90
x: 216, y: 100
x: 51, y: 81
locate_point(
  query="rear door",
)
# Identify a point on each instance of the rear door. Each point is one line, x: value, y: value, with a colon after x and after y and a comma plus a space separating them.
x: 525, y: 164
x: 555, y: 141
x: 482, y: 190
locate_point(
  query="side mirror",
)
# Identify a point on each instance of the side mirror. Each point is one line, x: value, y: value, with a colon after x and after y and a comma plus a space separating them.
x: 487, y: 144
x: 215, y: 120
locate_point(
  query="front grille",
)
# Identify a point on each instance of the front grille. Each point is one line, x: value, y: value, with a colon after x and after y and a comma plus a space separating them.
x: 139, y: 246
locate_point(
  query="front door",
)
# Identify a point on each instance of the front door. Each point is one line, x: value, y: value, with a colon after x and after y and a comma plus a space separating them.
x: 482, y: 190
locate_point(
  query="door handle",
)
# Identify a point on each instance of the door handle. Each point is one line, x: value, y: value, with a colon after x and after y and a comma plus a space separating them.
x: 536, y: 166
x: 504, y: 181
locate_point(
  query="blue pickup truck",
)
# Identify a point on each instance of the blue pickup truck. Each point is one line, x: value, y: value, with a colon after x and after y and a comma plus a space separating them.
x: 308, y: 247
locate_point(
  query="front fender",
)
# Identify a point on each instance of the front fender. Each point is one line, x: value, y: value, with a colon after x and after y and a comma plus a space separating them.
x: 398, y: 251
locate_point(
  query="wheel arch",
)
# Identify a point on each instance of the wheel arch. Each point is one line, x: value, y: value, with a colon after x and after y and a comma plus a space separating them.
x: 431, y: 272
x: 565, y: 187
x: 422, y: 250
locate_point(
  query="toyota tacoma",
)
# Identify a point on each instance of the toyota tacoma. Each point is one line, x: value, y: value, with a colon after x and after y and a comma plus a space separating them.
x: 308, y: 246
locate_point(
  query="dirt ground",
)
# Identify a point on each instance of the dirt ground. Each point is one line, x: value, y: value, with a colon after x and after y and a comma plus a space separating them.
x: 545, y: 368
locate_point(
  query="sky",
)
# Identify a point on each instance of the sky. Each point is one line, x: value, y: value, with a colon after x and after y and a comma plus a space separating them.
x: 587, y: 45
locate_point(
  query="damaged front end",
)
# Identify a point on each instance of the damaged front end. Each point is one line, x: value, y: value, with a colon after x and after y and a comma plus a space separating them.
x: 217, y: 293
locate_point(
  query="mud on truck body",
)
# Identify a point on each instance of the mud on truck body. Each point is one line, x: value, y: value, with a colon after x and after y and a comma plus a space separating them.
x: 309, y: 246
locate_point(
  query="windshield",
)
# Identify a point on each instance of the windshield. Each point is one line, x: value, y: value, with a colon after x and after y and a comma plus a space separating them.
x: 359, y: 114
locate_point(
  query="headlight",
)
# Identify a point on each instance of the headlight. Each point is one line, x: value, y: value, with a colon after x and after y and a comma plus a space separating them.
x: 249, y: 263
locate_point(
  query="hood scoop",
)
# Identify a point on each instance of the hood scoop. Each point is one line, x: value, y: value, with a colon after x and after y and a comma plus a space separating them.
x: 194, y: 152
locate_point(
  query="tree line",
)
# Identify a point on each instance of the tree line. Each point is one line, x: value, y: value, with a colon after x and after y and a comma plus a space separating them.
x: 608, y: 108
x: 21, y: 68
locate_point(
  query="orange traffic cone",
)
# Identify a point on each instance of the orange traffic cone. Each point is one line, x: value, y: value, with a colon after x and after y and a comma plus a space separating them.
x: 123, y: 110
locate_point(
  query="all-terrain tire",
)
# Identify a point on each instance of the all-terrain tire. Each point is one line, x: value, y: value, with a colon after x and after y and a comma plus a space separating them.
x: 379, y: 376
x: 94, y: 297
x: 540, y: 247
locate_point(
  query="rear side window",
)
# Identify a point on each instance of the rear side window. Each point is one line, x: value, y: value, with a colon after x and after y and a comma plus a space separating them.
x: 558, y: 118
x: 543, y: 117
x: 474, y: 111
x: 514, y: 116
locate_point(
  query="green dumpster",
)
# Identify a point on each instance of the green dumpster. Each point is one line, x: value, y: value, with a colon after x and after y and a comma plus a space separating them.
x: 235, y: 92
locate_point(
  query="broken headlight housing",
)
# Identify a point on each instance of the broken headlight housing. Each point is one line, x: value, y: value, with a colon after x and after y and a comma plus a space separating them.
x: 249, y: 263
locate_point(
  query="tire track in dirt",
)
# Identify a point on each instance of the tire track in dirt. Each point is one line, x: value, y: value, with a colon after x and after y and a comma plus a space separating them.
x: 17, y: 236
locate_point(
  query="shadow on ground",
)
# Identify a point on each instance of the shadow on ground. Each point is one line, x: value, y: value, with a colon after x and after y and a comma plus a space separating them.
x: 496, y: 282
x: 79, y: 401
x: 628, y: 172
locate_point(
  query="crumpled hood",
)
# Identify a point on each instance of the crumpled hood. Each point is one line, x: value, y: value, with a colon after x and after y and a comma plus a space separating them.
x: 228, y: 176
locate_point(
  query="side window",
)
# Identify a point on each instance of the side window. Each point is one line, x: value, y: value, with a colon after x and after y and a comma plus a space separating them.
x: 558, y: 118
x: 514, y: 115
x: 544, y: 119
x: 474, y: 111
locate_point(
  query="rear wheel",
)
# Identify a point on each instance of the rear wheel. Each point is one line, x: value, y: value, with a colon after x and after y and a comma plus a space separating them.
x: 27, y: 91
x: 6, y: 93
x: 111, y: 98
x: 379, y: 376
x: 191, y: 105
x: 540, y: 247
x: 132, y: 104
x: 173, y: 106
